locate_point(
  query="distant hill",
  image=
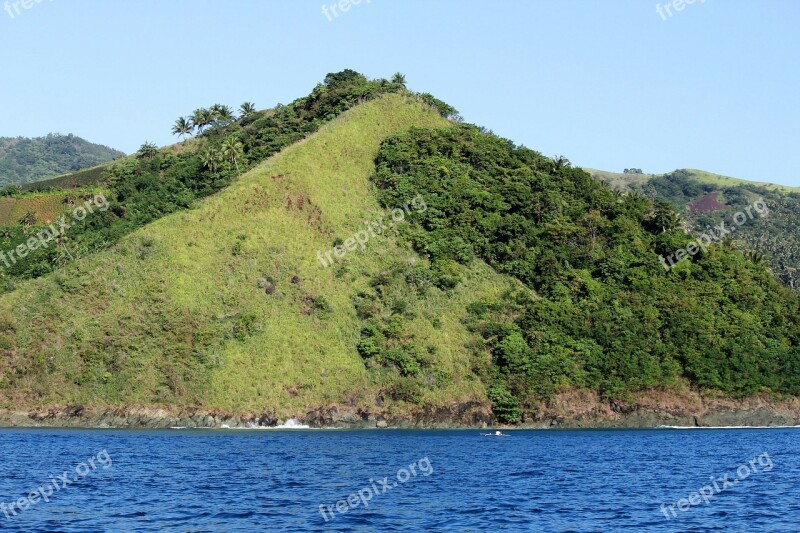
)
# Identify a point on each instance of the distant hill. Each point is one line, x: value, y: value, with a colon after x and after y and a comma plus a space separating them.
x: 24, y: 160
x: 623, y: 180
x: 704, y: 199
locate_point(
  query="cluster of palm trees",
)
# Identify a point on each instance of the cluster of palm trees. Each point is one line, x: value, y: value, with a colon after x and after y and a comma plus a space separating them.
x: 230, y: 151
x: 218, y: 115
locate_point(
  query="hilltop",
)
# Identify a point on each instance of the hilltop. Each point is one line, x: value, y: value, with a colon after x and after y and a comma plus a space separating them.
x: 625, y: 180
x: 24, y: 160
x: 361, y: 255
x: 705, y: 199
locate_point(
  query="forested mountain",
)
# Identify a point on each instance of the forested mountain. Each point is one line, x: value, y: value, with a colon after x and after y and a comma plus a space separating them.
x: 24, y: 160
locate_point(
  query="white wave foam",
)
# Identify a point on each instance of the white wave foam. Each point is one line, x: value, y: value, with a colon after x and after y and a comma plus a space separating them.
x: 292, y: 424
x: 289, y: 424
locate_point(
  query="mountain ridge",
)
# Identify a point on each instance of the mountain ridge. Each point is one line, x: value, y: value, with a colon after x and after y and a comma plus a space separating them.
x: 26, y: 160
x: 623, y: 179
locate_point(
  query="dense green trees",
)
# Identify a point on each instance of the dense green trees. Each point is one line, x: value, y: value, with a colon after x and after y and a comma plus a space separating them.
x: 603, y: 314
x: 775, y: 237
x: 664, y: 217
x: 25, y: 160
x: 147, y: 151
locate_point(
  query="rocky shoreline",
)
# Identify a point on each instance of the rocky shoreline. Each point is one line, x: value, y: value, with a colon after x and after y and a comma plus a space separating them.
x: 571, y: 410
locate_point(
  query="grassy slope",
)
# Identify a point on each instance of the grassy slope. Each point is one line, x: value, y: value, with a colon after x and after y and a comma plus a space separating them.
x: 726, y: 181
x: 170, y: 292
x: 47, y: 206
x: 619, y: 180
x: 82, y: 178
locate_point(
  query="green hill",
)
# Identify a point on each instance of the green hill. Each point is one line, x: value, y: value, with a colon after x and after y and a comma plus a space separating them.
x: 624, y: 180
x: 377, y: 256
x: 775, y: 239
x: 185, y: 320
x: 24, y: 160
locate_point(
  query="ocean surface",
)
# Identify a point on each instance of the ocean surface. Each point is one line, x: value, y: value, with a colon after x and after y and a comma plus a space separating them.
x: 395, y: 480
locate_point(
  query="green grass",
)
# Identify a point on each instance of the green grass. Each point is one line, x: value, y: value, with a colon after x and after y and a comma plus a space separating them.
x: 726, y: 181
x: 48, y: 206
x: 174, y: 314
x: 619, y: 180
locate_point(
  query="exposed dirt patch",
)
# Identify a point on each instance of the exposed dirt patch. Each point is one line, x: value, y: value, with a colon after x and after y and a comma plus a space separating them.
x: 707, y: 203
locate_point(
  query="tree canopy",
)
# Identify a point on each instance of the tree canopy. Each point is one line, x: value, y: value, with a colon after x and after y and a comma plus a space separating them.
x: 601, y: 312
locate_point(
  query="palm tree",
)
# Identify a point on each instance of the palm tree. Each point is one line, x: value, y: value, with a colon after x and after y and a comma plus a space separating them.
x: 232, y: 150
x: 147, y: 151
x: 226, y: 115
x: 665, y: 217
x: 211, y: 159
x: 201, y: 118
x: 247, y: 109
x: 221, y: 115
x: 399, y: 79
x: 560, y: 162
x: 182, y: 127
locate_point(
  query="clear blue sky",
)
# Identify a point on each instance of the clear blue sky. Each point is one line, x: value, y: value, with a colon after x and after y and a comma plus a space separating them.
x: 609, y: 84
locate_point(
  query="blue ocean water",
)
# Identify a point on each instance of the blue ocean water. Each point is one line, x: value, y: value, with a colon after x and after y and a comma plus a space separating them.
x: 275, y: 480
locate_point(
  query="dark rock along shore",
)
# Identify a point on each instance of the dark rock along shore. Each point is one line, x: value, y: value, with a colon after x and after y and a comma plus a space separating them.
x: 462, y: 415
